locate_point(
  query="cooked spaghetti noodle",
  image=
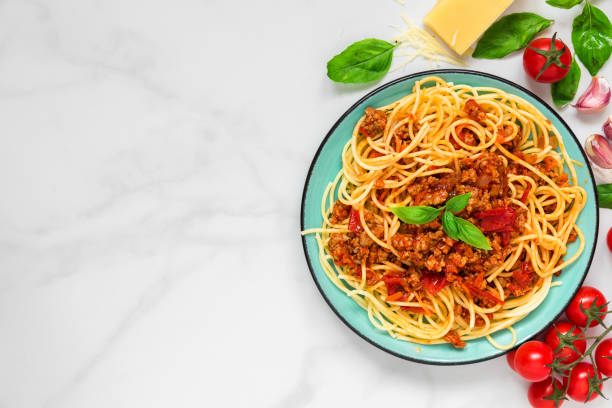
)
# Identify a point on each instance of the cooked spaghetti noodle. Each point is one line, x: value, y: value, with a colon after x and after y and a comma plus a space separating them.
x: 442, y: 140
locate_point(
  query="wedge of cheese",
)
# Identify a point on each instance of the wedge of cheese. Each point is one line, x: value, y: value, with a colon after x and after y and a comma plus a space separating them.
x: 459, y: 23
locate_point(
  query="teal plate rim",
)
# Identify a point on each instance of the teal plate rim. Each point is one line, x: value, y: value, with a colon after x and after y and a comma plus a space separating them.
x: 337, y: 124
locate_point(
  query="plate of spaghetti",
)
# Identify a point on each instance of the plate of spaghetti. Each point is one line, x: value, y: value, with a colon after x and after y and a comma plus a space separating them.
x: 449, y: 216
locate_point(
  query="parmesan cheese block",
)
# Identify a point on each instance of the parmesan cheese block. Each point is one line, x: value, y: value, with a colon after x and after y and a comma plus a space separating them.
x: 459, y: 23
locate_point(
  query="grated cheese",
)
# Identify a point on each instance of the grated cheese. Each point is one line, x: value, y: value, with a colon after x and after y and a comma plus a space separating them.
x: 421, y: 44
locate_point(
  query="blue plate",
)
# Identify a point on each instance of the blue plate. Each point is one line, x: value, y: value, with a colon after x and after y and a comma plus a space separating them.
x: 326, y: 165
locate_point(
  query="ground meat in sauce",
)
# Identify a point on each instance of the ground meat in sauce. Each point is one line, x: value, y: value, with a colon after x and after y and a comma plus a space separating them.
x: 427, y: 247
x: 340, y: 212
x: 355, y: 248
x: 453, y: 338
x: 374, y: 123
x: 523, y: 279
x: 466, y: 136
x: 474, y: 111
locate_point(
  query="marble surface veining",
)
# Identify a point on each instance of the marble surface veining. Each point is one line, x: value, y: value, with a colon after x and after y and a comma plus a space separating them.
x: 151, y: 167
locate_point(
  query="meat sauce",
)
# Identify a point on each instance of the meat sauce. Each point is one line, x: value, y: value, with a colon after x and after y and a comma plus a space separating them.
x: 431, y: 259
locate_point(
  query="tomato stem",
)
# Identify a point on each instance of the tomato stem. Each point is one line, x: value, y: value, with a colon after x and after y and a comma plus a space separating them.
x: 589, y: 352
x: 553, y: 55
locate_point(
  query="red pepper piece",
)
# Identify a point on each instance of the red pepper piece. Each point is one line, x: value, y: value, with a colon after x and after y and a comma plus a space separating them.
x: 434, y: 282
x: 497, y: 220
x: 526, y: 193
x: 354, y: 224
x: 505, y: 238
x: 483, y: 294
x: 393, y: 284
x: 522, y: 276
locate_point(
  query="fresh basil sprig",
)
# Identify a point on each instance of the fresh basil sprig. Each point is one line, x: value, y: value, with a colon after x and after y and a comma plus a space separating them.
x: 459, y: 229
x: 592, y: 37
x: 455, y: 227
x: 565, y: 4
x: 604, y: 194
x: 419, y: 214
x: 471, y: 235
x: 363, y: 61
x: 449, y: 225
x: 563, y: 92
x: 458, y: 203
x: 510, y: 33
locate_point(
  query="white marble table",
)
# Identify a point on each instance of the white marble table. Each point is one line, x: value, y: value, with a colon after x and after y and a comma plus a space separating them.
x: 152, y: 162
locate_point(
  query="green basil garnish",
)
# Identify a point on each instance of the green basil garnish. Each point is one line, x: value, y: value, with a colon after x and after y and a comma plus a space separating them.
x: 510, y: 33
x: 604, y: 195
x: 455, y: 227
x: 363, y: 61
x: 592, y: 38
x: 416, y: 215
x: 458, y: 203
x: 564, y: 4
x: 471, y: 235
x: 449, y: 224
x: 563, y: 92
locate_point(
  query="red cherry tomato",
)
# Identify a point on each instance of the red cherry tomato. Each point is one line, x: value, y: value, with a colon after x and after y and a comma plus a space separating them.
x: 531, y: 360
x: 559, y: 56
x: 609, y: 239
x: 586, y: 296
x: 510, y: 359
x: 566, y: 355
x: 537, y: 392
x: 603, y: 357
x: 578, y: 388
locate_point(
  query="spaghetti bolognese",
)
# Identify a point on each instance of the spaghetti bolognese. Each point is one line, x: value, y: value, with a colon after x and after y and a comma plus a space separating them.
x: 416, y: 281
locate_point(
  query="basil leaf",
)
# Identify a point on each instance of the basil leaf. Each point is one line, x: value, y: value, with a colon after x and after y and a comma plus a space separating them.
x: 458, y: 203
x: 592, y: 38
x: 563, y: 92
x: 509, y: 34
x: 565, y: 4
x: 604, y: 194
x: 363, y: 61
x: 471, y: 235
x: 449, y: 224
x: 417, y: 214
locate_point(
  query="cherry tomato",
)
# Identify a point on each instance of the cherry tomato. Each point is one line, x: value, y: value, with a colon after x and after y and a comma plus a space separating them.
x: 604, y: 365
x: 609, y: 239
x: 565, y: 355
x: 537, y: 392
x: 578, y: 389
x: 510, y: 359
x: 531, y: 360
x: 585, y: 296
x: 557, y: 57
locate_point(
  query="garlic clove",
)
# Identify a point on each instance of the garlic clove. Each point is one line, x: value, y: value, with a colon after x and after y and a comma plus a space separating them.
x: 602, y: 176
x: 599, y: 151
x: 596, y: 97
x: 607, y: 128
